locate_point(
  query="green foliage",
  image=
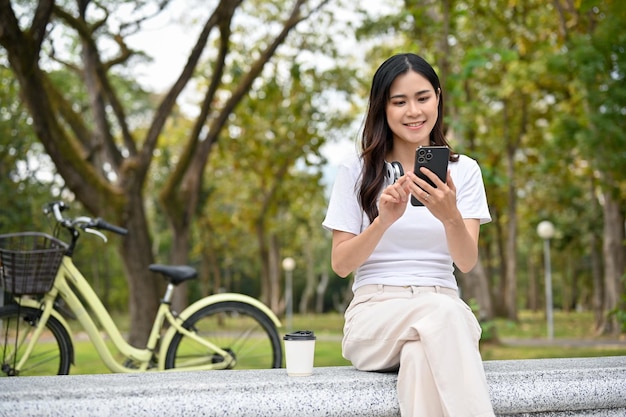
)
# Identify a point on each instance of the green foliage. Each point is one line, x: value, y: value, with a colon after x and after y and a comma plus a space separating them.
x: 264, y: 183
x: 542, y: 87
x: 521, y: 79
x: 597, y: 64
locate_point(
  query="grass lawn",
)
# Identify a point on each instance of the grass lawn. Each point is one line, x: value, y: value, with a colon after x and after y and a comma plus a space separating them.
x: 524, y: 339
x: 573, y: 337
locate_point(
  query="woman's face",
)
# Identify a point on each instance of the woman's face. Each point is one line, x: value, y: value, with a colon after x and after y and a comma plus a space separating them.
x: 412, y: 109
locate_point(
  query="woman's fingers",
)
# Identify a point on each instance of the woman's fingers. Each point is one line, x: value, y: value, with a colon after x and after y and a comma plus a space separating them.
x: 396, y: 192
x: 418, y: 184
x: 424, y: 191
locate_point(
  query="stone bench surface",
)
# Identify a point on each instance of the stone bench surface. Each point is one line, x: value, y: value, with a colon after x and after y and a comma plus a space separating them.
x: 543, y: 387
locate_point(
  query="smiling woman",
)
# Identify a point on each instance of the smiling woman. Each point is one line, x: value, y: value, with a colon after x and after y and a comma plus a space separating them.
x: 406, y: 313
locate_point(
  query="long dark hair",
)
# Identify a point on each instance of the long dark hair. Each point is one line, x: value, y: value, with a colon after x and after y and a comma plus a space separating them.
x: 377, y: 139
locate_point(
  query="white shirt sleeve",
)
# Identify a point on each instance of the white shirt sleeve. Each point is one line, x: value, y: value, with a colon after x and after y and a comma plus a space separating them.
x: 344, y: 212
x: 471, y: 198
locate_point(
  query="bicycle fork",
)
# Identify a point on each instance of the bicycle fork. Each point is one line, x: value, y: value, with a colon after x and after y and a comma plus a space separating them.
x: 39, y: 327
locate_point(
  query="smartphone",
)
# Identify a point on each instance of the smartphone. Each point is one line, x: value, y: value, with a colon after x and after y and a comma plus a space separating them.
x: 434, y: 158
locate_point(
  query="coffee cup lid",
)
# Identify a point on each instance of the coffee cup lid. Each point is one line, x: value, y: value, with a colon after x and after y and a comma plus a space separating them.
x: 300, y: 335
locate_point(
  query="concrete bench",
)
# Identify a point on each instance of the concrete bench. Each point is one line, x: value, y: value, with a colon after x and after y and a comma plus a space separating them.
x: 546, y: 387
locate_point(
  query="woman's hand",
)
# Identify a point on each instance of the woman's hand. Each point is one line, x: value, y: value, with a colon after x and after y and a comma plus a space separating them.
x: 393, y: 201
x: 441, y: 201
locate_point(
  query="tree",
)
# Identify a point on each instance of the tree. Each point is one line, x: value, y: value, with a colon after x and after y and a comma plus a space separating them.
x: 534, y: 92
x: 90, y: 134
x: 596, y: 52
x: 269, y: 183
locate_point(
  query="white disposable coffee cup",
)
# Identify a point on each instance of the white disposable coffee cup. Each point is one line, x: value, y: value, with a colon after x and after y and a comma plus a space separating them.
x: 299, y: 352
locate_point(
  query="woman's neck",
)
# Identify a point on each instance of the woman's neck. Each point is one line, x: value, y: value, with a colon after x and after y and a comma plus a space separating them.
x: 403, y: 153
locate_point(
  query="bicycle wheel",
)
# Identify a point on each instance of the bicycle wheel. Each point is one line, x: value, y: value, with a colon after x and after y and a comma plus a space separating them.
x: 53, y: 353
x: 236, y: 327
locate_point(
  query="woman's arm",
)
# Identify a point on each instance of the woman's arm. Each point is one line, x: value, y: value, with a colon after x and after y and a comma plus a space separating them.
x: 349, y: 251
x: 461, y: 234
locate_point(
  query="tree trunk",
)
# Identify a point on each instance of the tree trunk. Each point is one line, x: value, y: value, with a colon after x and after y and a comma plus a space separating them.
x: 143, y: 295
x: 476, y: 286
x: 180, y: 256
x: 210, y: 268
x: 533, y: 285
x: 275, y: 269
x: 342, y: 300
x: 510, y: 279
x: 613, y: 251
x: 320, y: 291
x: 309, y: 289
x: 568, y: 282
x: 513, y: 140
x: 500, y: 286
x: 265, y: 268
x: 598, y: 284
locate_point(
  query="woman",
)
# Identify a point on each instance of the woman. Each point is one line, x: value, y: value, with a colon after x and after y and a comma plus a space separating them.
x: 406, y: 313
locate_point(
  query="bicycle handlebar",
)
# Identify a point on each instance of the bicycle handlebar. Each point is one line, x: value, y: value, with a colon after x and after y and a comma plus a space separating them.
x: 82, y: 222
x: 103, y: 225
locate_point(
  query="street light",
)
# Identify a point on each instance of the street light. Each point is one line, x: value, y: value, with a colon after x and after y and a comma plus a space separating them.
x: 545, y: 230
x: 289, y: 265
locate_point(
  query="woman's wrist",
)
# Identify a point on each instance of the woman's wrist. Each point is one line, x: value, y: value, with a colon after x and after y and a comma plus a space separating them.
x: 380, y: 224
x: 454, y: 221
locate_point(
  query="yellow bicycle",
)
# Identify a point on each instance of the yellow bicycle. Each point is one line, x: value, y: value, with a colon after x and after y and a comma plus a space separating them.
x: 221, y: 331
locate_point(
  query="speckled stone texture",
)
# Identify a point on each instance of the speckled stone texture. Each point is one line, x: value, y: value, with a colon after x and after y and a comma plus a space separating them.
x: 558, y: 387
x: 551, y: 387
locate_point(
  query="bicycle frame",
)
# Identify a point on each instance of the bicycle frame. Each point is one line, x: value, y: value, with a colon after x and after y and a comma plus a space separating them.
x: 69, y: 284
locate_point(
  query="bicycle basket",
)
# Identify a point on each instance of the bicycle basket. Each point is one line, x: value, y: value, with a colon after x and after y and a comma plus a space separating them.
x: 29, y: 262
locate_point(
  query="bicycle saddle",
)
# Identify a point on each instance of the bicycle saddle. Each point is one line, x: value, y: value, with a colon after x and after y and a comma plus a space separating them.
x: 175, y: 273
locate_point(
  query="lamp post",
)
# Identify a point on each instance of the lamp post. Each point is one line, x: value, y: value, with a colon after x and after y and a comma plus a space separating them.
x: 289, y: 265
x: 545, y: 230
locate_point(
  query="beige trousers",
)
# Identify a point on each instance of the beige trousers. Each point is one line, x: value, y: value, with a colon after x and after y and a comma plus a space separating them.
x: 431, y: 337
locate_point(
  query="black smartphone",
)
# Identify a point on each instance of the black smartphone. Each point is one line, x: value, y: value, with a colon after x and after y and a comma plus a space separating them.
x: 434, y: 158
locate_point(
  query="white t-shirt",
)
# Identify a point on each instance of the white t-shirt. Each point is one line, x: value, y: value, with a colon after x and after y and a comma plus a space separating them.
x: 413, y: 251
